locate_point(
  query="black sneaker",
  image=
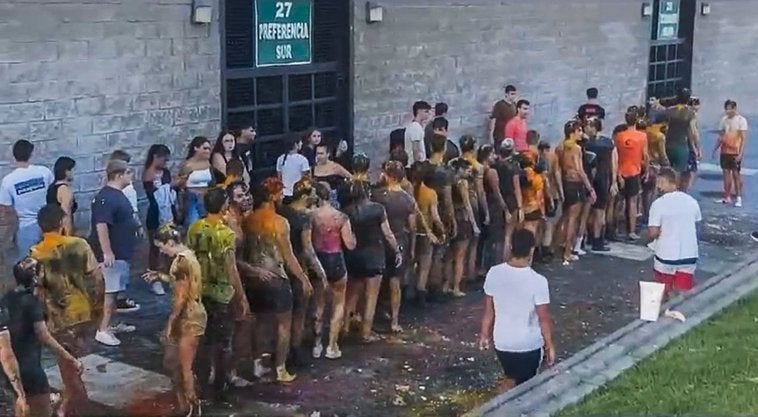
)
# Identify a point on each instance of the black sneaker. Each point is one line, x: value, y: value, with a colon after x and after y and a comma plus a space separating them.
x: 126, y: 305
x: 754, y: 236
x: 421, y: 299
x: 600, y: 247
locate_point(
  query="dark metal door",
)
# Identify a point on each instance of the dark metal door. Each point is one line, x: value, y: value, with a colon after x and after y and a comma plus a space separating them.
x: 670, y: 64
x: 280, y: 100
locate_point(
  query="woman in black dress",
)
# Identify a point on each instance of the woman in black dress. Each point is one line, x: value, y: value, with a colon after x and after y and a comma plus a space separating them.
x: 61, y: 192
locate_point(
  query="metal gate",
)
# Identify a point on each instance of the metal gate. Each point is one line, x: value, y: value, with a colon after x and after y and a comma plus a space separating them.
x: 279, y: 100
x: 670, y: 63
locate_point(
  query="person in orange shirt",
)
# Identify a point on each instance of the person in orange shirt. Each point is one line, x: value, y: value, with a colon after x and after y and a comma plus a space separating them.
x: 633, y: 155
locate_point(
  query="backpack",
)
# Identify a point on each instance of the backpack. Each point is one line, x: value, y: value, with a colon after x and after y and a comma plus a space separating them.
x: 397, y: 139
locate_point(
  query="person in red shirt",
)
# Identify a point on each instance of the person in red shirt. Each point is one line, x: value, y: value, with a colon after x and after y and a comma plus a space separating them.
x: 633, y: 156
x: 516, y: 128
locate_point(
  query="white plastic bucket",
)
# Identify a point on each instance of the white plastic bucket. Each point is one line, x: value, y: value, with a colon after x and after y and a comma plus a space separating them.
x: 651, y: 298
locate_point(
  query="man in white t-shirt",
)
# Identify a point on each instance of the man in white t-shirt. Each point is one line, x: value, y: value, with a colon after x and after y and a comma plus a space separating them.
x: 516, y: 306
x: 22, y: 193
x: 732, y: 136
x: 414, y: 132
x: 673, y: 229
x: 291, y: 167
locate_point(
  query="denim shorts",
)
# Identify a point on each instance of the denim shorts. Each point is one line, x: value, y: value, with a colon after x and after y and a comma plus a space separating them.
x: 116, y: 277
x: 195, y: 208
x: 26, y: 237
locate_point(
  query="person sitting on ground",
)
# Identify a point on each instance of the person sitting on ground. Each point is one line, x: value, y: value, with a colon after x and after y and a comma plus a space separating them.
x: 516, y: 307
x: 673, y: 229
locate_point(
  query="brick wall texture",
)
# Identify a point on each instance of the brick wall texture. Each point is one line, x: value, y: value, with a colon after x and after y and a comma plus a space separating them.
x: 462, y: 53
x: 85, y: 77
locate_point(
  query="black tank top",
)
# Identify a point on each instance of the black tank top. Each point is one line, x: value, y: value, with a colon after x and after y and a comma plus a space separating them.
x: 52, y: 196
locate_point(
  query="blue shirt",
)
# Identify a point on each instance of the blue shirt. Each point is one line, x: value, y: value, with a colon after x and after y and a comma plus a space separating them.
x: 110, y: 206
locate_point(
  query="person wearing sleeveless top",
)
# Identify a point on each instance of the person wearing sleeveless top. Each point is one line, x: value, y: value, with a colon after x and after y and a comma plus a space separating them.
x: 195, y: 178
x: 156, y: 181
x: 61, y: 192
x: 224, y: 151
x: 188, y: 320
x: 327, y: 171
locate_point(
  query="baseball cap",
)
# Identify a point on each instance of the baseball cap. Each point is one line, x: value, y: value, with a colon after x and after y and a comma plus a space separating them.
x: 508, y: 143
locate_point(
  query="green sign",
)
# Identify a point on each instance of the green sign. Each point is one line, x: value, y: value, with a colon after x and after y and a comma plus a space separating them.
x: 283, y: 32
x: 668, y: 20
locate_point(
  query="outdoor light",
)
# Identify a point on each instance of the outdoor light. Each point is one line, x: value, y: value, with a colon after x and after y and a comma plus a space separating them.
x: 374, y: 12
x: 647, y: 9
x: 202, y: 12
x: 705, y: 9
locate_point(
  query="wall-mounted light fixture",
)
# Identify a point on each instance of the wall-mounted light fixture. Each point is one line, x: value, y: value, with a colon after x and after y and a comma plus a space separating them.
x: 202, y: 12
x: 647, y: 9
x: 705, y: 9
x: 374, y: 12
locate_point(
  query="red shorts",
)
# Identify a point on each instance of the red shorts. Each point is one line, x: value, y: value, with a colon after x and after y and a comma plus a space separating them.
x: 681, y: 281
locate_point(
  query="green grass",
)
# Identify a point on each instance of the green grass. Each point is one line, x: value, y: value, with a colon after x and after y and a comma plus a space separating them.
x: 711, y: 370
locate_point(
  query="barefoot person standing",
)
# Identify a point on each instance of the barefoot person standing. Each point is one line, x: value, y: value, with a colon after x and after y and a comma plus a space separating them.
x: 516, y: 307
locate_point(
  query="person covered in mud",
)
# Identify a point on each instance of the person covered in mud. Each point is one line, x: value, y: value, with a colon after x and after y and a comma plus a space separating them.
x: 467, y: 227
x: 330, y: 172
x: 576, y: 187
x: 188, y: 319
x: 443, y: 185
x: 430, y: 230
x: 72, y: 293
x: 213, y: 243
x: 492, y: 247
x: 299, y: 216
x: 509, y: 180
x: 532, y: 191
x: 267, y: 246
x: 478, y: 201
x: 401, y: 213
x: 331, y: 231
x: 366, y: 263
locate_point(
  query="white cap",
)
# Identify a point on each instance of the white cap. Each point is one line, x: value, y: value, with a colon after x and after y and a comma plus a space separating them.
x: 508, y: 143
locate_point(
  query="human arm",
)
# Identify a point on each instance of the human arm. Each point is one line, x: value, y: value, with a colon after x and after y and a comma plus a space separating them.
x: 10, y: 367
x: 218, y: 163
x: 614, y: 171
x: 285, y: 248
x: 654, y: 222
x: 416, y: 147
x: 481, y: 196
x: 487, y: 323
x: 66, y: 199
x: 555, y: 169
x: 341, y: 171
x: 743, y: 138
x: 236, y: 282
x: 519, y: 200
x: 346, y: 232
x: 310, y: 254
x: 390, y: 238
x: 583, y: 175
x: 493, y: 180
x: 103, y: 237
x: 491, y: 129
x: 546, y: 327
x: 694, y: 137
x: 447, y: 195
x: 412, y: 230
x: 44, y: 336
x: 181, y: 178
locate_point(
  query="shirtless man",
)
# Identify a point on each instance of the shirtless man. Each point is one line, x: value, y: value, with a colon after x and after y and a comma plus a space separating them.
x: 532, y: 192
x: 267, y: 245
x: 401, y: 213
x: 478, y: 200
x: 214, y: 246
x: 492, y: 248
x: 298, y: 214
x: 429, y: 225
x: 444, y: 189
x: 509, y: 174
x: 330, y: 232
x: 553, y: 198
x: 575, y: 185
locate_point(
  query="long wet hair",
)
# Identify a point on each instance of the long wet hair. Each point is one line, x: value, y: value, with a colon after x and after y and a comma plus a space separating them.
x: 219, y: 146
x: 157, y: 150
x: 196, y: 142
x: 168, y: 232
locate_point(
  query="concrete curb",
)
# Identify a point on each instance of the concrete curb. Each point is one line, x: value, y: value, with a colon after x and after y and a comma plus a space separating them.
x: 570, y: 381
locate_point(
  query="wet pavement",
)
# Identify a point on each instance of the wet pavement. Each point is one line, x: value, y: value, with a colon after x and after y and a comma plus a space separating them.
x: 433, y: 368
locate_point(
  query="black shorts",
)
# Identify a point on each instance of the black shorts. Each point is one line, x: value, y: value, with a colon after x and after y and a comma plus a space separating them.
x: 511, y: 202
x: 632, y: 186
x: 651, y: 174
x: 298, y: 296
x: 274, y: 296
x: 520, y: 366
x: 573, y: 193
x: 333, y: 264
x: 220, y: 328
x: 602, y: 193
x: 692, y: 161
x: 730, y: 163
x: 34, y: 380
x: 533, y: 216
x: 465, y: 229
x: 364, y: 263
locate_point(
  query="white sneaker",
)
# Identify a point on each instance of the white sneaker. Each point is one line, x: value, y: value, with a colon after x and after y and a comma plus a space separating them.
x: 333, y: 353
x: 157, y: 288
x: 738, y: 202
x: 317, y: 351
x: 107, y: 338
x: 121, y: 328
x: 239, y: 382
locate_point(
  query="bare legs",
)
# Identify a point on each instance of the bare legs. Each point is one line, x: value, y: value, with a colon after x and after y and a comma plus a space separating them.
x: 571, y: 219
x: 338, y: 290
x: 458, y: 263
x: 184, y: 378
x: 395, y: 299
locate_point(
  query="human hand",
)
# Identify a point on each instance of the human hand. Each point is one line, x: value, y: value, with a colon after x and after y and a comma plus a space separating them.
x: 550, y: 355
x: 484, y: 342
x: 151, y: 276
x: 398, y: 259
x: 22, y: 407
x: 307, y: 287
x: 477, y: 231
x: 614, y: 189
x: 108, y: 259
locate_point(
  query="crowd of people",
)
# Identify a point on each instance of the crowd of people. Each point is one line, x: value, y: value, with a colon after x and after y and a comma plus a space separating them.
x: 255, y: 265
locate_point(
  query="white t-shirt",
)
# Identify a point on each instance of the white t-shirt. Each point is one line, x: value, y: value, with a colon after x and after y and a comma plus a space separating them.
x: 516, y: 293
x: 292, y: 170
x: 131, y: 195
x: 25, y: 189
x: 676, y: 248
x: 414, y: 132
x: 735, y: 124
